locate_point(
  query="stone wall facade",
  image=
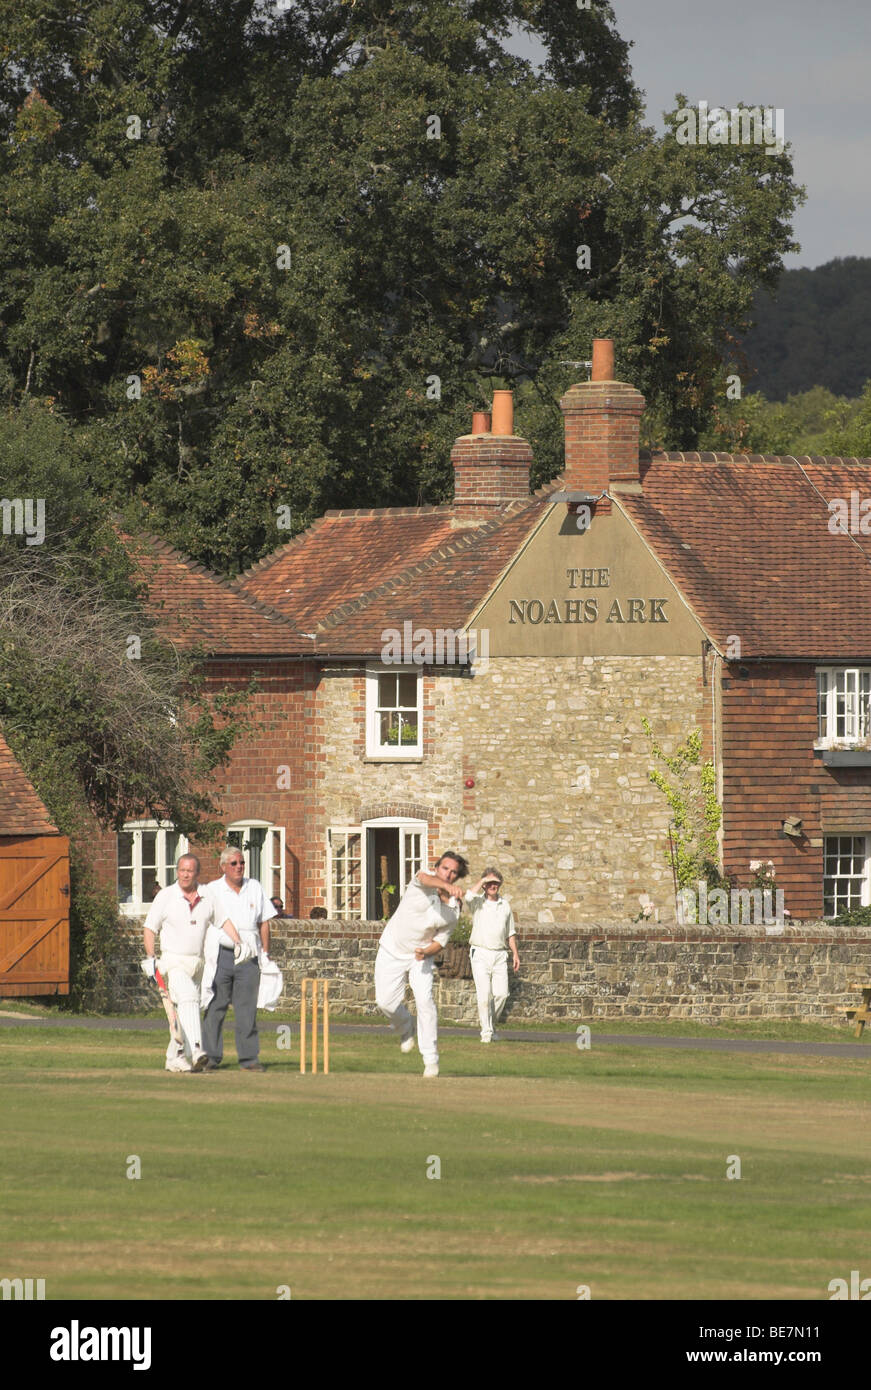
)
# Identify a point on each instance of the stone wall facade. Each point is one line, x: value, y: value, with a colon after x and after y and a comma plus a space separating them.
x: 589, y: 973
x: 562, y: 800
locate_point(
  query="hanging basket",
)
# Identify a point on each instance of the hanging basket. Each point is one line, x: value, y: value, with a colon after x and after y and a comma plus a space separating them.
x: 454, y: 962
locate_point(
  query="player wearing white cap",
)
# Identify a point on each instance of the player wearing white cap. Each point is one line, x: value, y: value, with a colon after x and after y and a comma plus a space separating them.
x: 493, y: 936
x: 181, y: 915
x: 417, y: 931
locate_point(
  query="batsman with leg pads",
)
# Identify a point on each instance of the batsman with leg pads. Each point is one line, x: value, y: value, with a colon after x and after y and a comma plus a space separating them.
x: 181, y: 916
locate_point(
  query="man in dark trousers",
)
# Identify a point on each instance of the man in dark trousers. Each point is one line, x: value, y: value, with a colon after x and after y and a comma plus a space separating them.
x: 233, y: 949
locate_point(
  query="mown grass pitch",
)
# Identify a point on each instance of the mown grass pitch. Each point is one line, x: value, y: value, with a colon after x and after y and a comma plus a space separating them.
x: 559, y: 1168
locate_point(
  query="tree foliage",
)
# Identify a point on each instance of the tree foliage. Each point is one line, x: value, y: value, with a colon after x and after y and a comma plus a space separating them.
x: 214, y: 377
x: 815, y: 330
x: 109, y: 721
x: 812, y: 422
x: 689, y: 785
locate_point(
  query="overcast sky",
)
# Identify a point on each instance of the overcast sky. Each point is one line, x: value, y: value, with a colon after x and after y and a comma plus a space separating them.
x: 812, y: 58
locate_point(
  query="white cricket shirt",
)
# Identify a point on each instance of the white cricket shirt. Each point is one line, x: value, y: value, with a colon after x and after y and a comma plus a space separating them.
x: 245, y: 909
x: 492, y: 922
x: 420, y: 919
x: 182, y: 928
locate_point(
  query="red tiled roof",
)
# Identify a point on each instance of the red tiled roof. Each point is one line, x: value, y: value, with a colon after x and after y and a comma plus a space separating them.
x: 193, y: 606
x: 746, y: 540
x: 21, y: 811
x: 342, y: 555
x: 442, y: 591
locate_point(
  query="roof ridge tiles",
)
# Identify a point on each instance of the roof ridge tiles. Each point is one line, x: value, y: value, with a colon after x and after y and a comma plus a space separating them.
x: 455, y: 546
x: 706, y: 456
x: 274, y: 555
x: 169, y: 551
x: 423, y: 510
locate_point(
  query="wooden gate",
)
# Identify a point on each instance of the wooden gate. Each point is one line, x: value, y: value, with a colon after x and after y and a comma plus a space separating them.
x: 34, y: 915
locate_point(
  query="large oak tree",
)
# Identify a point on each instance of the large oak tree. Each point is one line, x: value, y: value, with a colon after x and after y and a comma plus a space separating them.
x: 431, y: 191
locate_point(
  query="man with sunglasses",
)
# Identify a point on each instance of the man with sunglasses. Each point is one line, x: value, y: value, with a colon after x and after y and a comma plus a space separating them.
x: 493, y: 936
x: 233, y: 949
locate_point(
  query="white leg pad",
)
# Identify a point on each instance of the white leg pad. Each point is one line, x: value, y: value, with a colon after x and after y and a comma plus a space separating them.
x: 184, y: 993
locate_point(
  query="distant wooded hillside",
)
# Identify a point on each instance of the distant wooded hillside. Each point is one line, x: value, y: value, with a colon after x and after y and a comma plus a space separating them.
x: 815, y: 331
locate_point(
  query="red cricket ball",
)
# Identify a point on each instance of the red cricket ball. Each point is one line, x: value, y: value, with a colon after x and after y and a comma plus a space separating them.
x: 470, y: 781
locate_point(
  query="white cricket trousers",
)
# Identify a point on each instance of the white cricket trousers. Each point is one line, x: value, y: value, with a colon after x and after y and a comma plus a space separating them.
x: 490, y: 973
x: 391, y: 975
x: 182, y: 980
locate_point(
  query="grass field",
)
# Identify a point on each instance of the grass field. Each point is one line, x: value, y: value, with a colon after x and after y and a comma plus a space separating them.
x: 559, y: 1168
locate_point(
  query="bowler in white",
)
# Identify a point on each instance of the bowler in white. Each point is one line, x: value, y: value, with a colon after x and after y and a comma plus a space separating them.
x: 417, y: 931
x: 493, y: 936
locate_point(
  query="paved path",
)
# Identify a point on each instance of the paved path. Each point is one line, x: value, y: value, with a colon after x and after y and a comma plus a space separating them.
x: 158, y: 1025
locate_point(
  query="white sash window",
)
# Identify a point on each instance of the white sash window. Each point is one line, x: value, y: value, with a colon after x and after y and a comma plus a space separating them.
x: 394, y: 712
x: 262, y: 844
x: 845, y: 874
x: 843, y: 706
x: 147, y: 856
x: 346, y: 874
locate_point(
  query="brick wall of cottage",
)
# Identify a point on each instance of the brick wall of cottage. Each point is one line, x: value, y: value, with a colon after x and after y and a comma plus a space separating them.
x: 272, y: 775
x: 771, y: 771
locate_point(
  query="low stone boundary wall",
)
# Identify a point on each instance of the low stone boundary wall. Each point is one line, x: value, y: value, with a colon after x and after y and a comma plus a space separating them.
x: 615, y: 970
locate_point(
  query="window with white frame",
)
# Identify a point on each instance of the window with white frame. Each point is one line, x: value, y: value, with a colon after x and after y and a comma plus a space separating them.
x: 147, y: 856
x: 360, y: 860
x: 394, y: 712
x: 262, y: 844
x: 845, y: 874
x: 346, y: 874
x: 843, y: 706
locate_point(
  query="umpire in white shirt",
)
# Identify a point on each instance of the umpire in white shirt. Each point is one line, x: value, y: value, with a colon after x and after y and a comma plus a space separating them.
x: 242, y: 914
x: 493, y: 936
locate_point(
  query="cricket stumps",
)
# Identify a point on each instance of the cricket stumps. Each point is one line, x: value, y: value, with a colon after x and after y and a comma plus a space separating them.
x: 325, y: 1013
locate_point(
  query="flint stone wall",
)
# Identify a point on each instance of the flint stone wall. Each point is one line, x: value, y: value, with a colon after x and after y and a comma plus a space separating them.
x: 616, y: 970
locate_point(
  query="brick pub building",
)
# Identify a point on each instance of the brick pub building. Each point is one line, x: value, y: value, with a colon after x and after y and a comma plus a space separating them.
x: 698, y: 591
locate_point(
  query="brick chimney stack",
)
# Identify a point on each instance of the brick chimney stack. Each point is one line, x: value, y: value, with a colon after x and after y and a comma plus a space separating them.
x: 491, y: 465
x: 602, y: 420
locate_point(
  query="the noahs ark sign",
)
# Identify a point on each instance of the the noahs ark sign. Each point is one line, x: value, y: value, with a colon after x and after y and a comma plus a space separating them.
x: 587, y: 610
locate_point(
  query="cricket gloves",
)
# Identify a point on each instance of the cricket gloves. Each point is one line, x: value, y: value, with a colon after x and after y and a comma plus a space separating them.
x: 148, y: 967
x: 244, y: 951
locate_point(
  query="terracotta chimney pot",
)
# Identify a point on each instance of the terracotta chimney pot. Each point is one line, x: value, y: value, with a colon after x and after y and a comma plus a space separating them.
x: 603, y: 359
x: 503, y: 412
x: 491, y: 465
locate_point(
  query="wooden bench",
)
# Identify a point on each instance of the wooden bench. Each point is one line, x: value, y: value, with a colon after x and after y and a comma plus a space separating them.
x: 862, y: 1015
